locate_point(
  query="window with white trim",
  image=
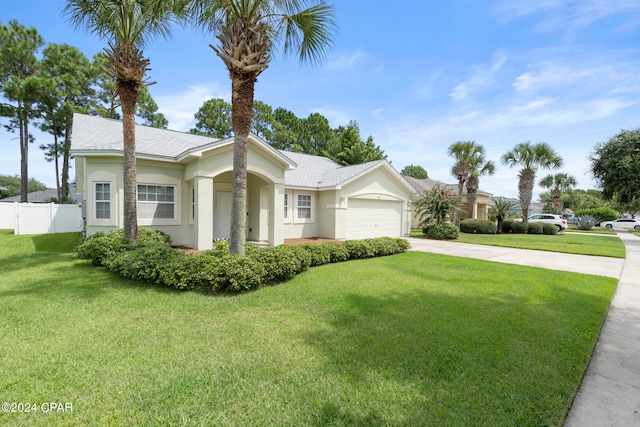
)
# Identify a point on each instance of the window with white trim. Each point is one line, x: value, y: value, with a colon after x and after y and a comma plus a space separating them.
x: 286, y: 205
x: 156, y: 201
x: 102, y: 200
x: 304, y: 206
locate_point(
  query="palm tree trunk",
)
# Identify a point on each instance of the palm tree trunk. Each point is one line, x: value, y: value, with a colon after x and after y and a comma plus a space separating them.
x: 472, y: 195
x: 460, y: 188
x: 557, y: 203
x: 128, y: 97
x: 243, y: 85
x: 525, y: 190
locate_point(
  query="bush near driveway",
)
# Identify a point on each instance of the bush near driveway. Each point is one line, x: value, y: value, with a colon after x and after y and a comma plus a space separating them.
x: 478, y: 226
x: 153, y: 261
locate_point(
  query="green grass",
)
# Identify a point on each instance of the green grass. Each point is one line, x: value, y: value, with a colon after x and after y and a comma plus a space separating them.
x: 413, y: 339
x: 596, y: 230
x: 572, y: 243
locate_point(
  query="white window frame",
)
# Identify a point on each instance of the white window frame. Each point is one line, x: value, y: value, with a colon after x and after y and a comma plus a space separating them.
x: 287, y: 206
x: 96, y: 200
x: 311, y: 207
x: 157, y: 202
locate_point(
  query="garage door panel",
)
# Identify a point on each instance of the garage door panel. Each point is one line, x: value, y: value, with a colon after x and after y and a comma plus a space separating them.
x: 373, y: 218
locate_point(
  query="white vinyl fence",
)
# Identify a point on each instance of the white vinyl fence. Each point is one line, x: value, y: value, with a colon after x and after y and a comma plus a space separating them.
x: 40, y: 218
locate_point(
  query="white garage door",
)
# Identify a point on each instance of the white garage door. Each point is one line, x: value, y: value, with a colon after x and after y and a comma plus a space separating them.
x: 373, y: 218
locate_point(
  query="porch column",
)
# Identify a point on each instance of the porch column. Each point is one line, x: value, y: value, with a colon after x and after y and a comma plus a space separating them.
x: 276, y: 214
x: 203, y: 213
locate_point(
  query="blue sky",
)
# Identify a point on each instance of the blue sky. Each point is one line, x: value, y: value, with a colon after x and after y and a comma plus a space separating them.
x: 417, y: 76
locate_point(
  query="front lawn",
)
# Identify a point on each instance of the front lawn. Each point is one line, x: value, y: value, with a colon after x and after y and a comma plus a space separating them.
x: 572, y: 243
x: 412, y: 339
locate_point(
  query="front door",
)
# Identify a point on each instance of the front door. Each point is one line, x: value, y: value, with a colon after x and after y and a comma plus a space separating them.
x: 222, y: 217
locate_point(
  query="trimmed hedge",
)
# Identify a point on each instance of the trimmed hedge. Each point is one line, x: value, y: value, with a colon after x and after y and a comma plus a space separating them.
x: 549, y: 229
x: 535, y: 228
x: 506, y: 225
x: 444, y: 231
x: 153, y: 261
x: 477, y: 226
x: 519, y: 227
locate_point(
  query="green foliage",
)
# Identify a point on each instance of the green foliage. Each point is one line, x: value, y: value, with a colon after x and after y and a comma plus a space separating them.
x: 602, y: 213
x: 549, y: 229
x: 415, y: 171
x: 436, y: 206
x: 582, y: 199
x: 535, y: 228
x: 12, y: 184
x: 444, y: 231
x: 102, y: 246
x: 477, y: 226
x: 235, y: 273
x: 213, y: 119
x: 350, y: 149
x: 154, y: 262
x: 586, y: 221
x: 519, y: 227
x: 281, y: 263
x: 506, y: 225
x: 616, y: 166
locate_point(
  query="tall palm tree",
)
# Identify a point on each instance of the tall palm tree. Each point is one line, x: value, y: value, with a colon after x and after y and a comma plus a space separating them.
x: 479, y: 168
x: 469, y: 156
x: 558, y: 183
x: 127, y: 25
x: 247, y: 31
x: 530, y: 157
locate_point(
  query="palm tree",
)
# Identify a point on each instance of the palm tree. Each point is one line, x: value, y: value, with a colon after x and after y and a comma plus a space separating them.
x: 501, y: 209
x: 478, y: 168
x: 247, y: 31
x: 558, y: 184
x: 530, y: 157
x: 469, y: 158
x: 127, y: 25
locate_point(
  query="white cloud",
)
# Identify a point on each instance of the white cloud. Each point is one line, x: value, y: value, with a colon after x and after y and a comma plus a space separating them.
x: 335, y: 116
x: 346, y: 61
x: 179, y: 107
x: 483, y: 77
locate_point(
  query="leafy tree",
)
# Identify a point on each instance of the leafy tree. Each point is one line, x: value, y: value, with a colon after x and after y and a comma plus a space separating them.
x: 530, y: 157
x: 576, y: 199
x: 247, y: 30
x: 147, y: 110
x: 615, y: 164
x: 262, y: 123
x: 350, y: 149
x: 287, y: 130
x: 501, y: 208
x: 436, y: 207
x: 478, y: 167
x: 558, y: 183
x: 127, y: 25
x: 71, y: 74
x: 13, y: 185
x: 415, y: 171
x: 21, y: 86
x: 214, y: 119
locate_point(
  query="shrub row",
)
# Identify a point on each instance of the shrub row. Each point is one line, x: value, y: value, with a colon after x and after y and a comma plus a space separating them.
x: 530, y: 228
x: 444, y: 231
x: 602, y: 213
x: 478, y: 226
x: 154, y: 261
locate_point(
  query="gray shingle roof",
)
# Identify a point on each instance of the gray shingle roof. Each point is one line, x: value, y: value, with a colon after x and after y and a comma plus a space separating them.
x: 422, y: 185
x: 45, y: 196
x: 96, y: 133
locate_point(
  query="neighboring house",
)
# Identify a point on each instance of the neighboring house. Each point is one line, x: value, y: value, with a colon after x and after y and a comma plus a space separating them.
x: 480, y: 208
x: 184, y: 188
x: 45, y: 196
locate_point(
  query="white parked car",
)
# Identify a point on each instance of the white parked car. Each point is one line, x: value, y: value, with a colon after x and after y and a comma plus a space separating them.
x: 622, y: 223
x: 558, y: 220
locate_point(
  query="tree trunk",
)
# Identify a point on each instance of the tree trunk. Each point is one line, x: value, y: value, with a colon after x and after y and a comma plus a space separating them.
x: 525, y: 189
x: 243, y: 84
x: 460, y: 188
x: 128, y: 96
x: 557, y: 203
x: 24, y: 156
x: 472, y: 195
x: 65, y: 158
x: 56, y: 162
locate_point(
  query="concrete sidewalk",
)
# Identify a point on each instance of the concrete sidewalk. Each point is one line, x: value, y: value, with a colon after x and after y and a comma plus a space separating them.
x: 610, y: 391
